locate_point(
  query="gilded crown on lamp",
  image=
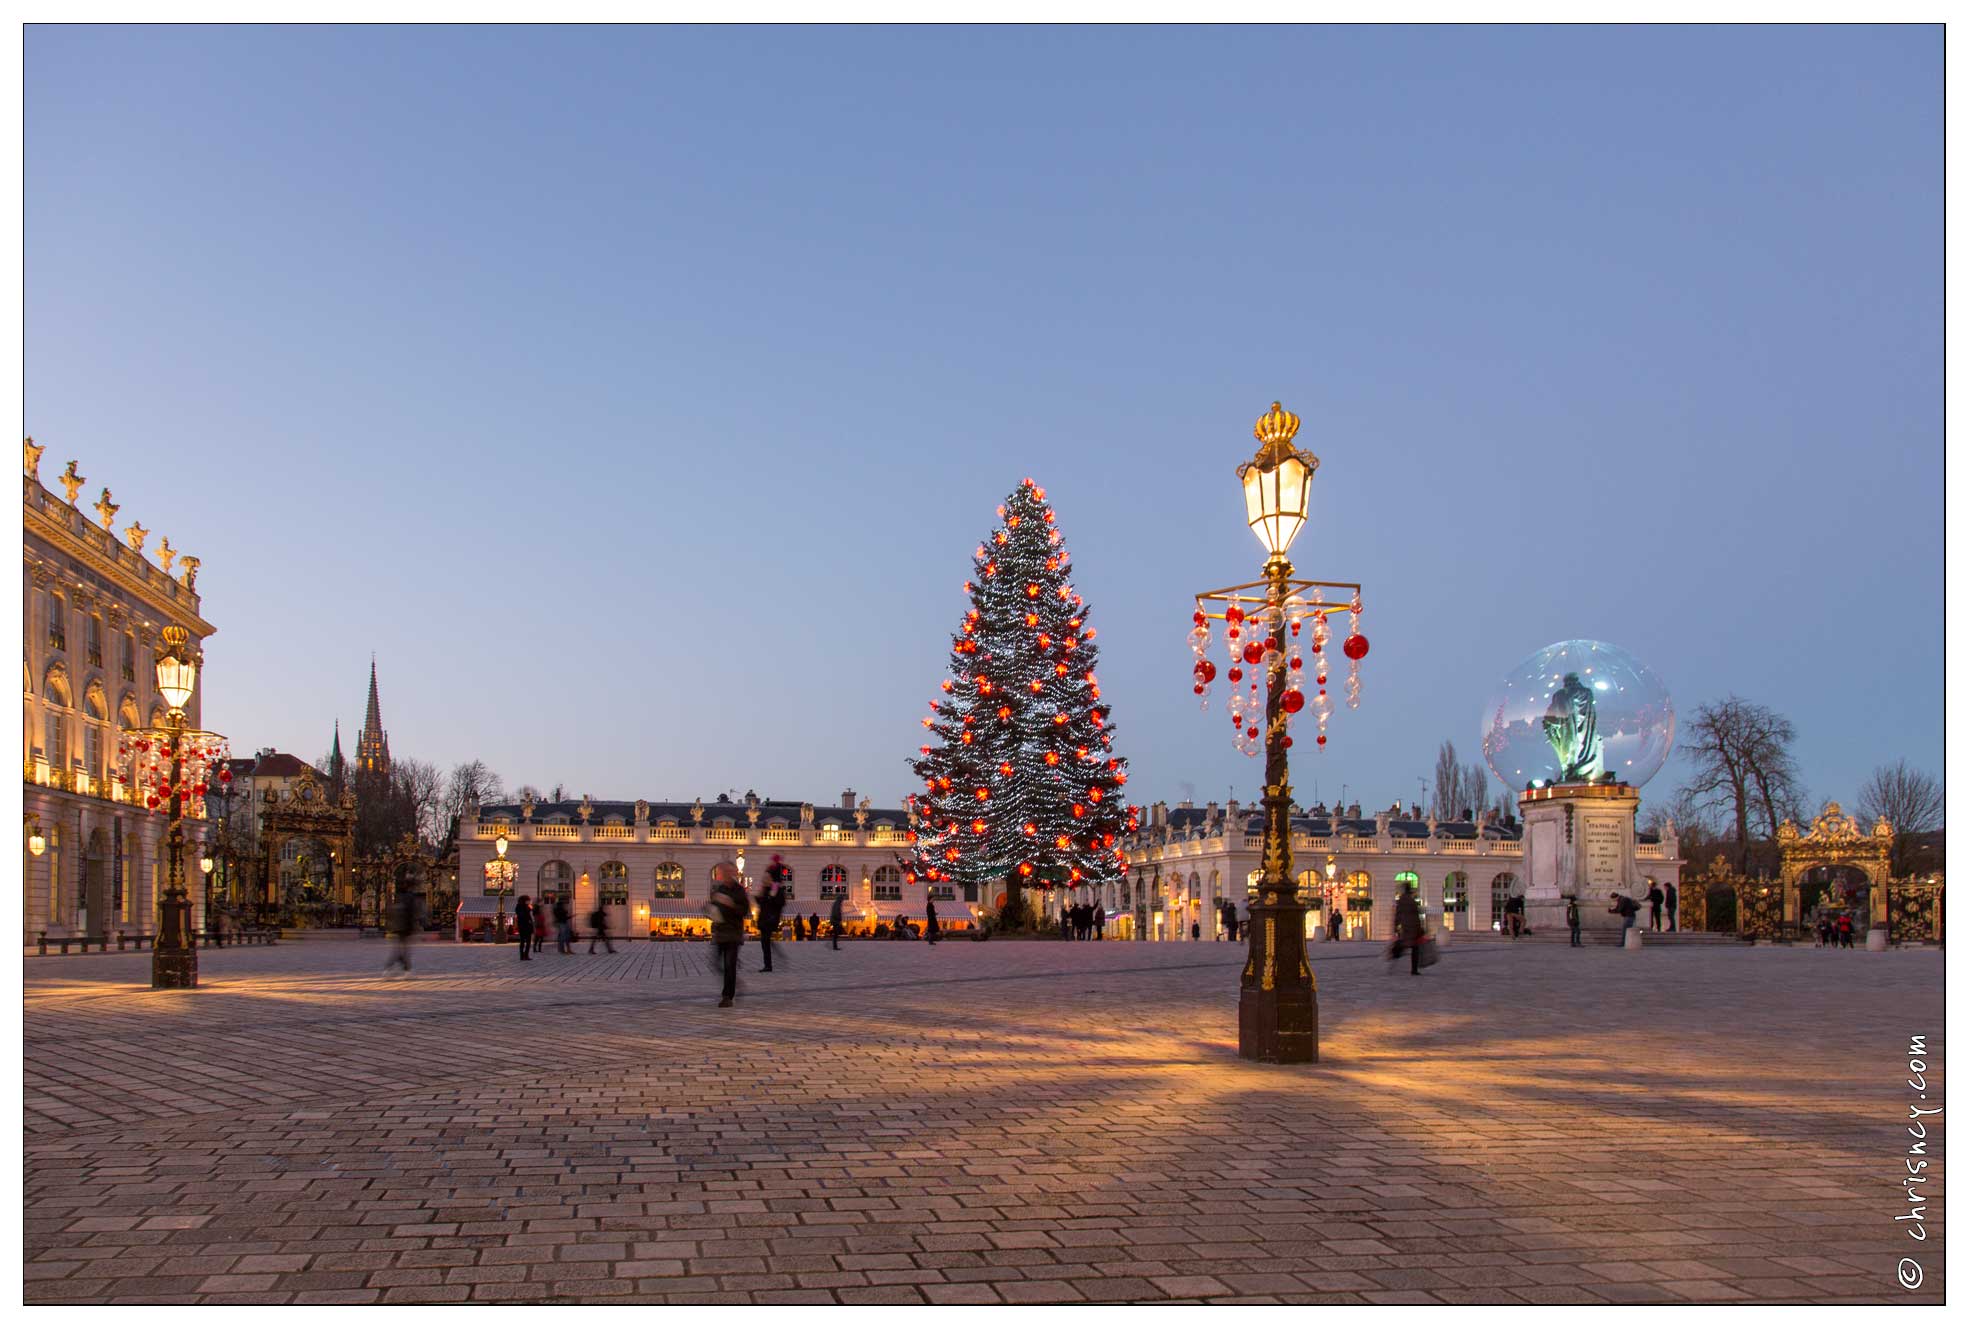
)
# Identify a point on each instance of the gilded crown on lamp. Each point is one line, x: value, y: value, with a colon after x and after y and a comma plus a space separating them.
x: 1276, y: 426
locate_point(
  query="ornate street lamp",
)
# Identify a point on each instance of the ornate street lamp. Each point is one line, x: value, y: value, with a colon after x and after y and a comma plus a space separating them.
x: 1278, y: 1009
x: 499, y: 875
x: 37, y: 843
x: 169, y: 765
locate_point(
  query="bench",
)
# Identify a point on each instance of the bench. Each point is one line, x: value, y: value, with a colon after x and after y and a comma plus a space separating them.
x: 256, y: 936
x: 41, y: 939
x: 139, y: 939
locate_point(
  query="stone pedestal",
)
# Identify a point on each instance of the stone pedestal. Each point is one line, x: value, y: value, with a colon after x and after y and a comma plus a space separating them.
x: 1876, y: 939
x: 1633, y: 942
x: 1579, y: 841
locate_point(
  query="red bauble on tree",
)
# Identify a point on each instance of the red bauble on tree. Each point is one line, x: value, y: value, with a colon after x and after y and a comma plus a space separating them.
x: 1292, y: 701
x: 1355, y: 646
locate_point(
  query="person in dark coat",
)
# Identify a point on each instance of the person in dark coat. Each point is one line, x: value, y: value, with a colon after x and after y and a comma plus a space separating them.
x: 1100, y: 921
x: 813, y: 926
x: 406, y: 913
x: 563, y: 926
x: 729, y: 910
x: 1673, y: 899
x: 799, y: 928
x: 1655, y: 897
x: 1333, y: 926
x: 834, y: 923
x: 598, y: 929
x: 931, y: 928
x: 523, y: 919
x: 1628, y: 910
x: 1572, y: 917
x: 772, y: 904
x: 541, y: 923
x: 1408, y: 929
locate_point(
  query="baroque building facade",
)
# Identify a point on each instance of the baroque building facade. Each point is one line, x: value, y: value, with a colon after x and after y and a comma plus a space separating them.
x: 93, y: 605
x: 1185, y: 862
x: 649, y: 864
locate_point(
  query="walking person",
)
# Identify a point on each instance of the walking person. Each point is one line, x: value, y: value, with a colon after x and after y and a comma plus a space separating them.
x: 930, y: 925
x: 1196, y: 932
x: 540, y: 924
x: 1572, y: 917
x: 834, y: 922
x: 1333, y: 925
x: 772, y: 905
x: 563, y: 926
x: 799, y: 928
x: 523, y: 919
x: 1845, y: 932
x: 1408, y: 929
x: 598, y: 930
x: 405, y: 914
x: 813, y: 927
x: 1825, y: 929
x: 1674, y: 899
x: 1655, y: 897
x: 729, y: 909
x: 1100, y: 921
x: 1066, y: 922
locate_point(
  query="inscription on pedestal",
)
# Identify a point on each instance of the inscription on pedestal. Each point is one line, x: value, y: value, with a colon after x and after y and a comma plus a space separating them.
x: 1602, y: 857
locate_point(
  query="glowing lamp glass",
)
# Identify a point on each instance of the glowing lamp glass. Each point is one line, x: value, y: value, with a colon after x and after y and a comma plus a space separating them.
x: 1275, y: 500
x: 176, y: 679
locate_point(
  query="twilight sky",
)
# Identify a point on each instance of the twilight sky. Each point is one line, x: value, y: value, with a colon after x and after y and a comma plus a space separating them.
x: 637, y: 396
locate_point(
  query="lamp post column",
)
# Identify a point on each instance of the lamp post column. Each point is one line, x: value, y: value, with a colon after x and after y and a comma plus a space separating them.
x: 174, y: 958
x: 1278, y: 1006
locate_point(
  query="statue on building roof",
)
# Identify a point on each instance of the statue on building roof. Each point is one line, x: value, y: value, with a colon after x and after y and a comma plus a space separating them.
x: 166, y: 555
x: 107, y: 510
x: 190, y: 577
x: 72, y: 482
x: 31, y: 458
x: 136, y: 533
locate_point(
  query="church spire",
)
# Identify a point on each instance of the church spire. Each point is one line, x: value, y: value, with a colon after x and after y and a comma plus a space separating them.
x: 373, y: 745
x: 335, y: 762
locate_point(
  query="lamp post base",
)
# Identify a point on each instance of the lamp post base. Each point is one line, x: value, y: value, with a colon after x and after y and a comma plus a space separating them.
x: 174, y: 959
x: 1278, y: 1017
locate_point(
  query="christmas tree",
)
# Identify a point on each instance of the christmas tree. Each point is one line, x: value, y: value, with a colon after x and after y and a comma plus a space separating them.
x: 1020, y: 783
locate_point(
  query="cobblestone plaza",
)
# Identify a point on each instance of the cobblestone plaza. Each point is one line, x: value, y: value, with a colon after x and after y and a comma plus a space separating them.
x: 976, y: 1123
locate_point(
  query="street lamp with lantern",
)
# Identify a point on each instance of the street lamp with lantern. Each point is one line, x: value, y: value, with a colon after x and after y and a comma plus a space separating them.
x: 169, y: 766
x: 1278, y: 1008
x: 499, y: 874
x: 37, y: 843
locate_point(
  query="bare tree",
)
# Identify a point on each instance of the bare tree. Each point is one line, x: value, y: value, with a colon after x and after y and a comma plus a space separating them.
x: 1909, y: 799
x: 470, y: 782
x: 1744, y: 771
x: 421, y: 790
x: 529, y: 793
x: 1476, y: 790
x: 1449, y: 782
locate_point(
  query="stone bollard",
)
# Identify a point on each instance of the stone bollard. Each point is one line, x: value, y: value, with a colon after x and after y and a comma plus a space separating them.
x: 1876, y: 939
x: 1633, y: 939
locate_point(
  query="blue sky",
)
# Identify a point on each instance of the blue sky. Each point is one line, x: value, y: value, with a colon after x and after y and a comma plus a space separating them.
x: 637, y: 395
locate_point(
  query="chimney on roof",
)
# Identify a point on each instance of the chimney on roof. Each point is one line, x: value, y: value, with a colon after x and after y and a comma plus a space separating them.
x: 1210, y: 813
x: 1159, y: 813
x: 1231, y: 812
x: 1186, y: 804
x: 848, y: 799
